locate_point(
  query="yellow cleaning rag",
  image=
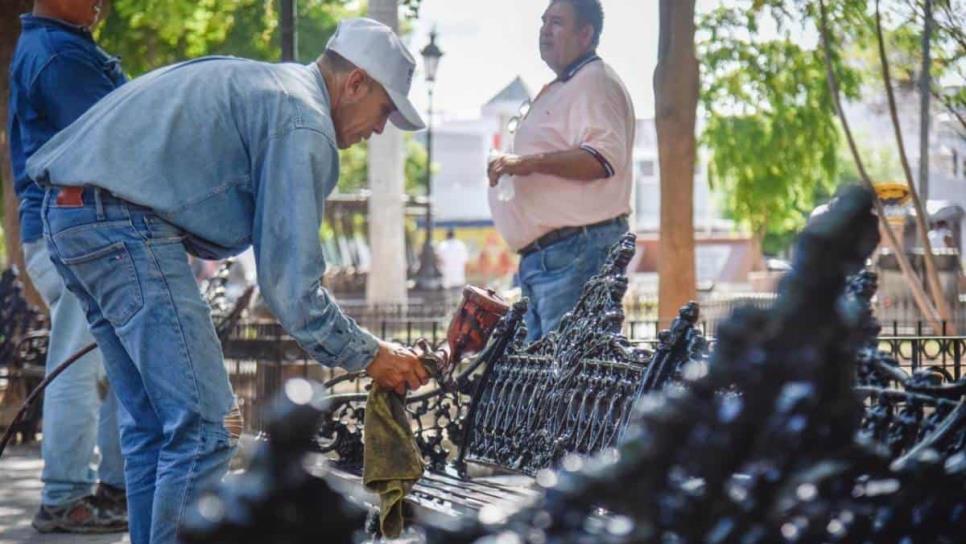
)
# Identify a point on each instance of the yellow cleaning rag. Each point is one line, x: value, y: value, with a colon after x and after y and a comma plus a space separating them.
x: 391, y: 460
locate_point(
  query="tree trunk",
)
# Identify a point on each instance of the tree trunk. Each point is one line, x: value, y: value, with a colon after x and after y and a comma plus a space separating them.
x: 9, y: 32
x: 288, y: 25
x: 386, y: 281
x: 932, y: 276
x: 918, y: 294
x: 676, y: 100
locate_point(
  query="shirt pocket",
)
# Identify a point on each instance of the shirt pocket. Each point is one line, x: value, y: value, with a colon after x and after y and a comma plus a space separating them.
x: 108, y: 275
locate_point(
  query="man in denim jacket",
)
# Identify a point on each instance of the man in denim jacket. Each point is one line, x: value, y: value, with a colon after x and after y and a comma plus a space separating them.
x: 57, y: 73
x: 209, y: 157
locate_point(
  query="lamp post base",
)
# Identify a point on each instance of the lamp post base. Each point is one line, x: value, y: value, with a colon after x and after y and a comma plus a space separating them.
x: 428, y: 277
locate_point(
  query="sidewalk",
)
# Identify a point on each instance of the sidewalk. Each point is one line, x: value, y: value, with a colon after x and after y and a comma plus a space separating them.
x: 20, y: 497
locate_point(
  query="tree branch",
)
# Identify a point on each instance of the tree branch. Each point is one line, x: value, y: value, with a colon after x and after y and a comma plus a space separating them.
x: 951, y: 108
x: 952, y: 26
x: 932, y: 277
x: 927, y: 309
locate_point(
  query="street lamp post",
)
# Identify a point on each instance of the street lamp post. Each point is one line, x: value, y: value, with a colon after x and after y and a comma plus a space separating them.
x: 289, y: 14
x: 428, y: 276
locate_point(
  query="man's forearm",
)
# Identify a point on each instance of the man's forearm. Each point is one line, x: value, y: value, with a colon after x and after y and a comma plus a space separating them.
x: 579, y: 164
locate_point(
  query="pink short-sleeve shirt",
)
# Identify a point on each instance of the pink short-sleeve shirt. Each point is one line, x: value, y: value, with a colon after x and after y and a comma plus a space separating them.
x: 591, y: 110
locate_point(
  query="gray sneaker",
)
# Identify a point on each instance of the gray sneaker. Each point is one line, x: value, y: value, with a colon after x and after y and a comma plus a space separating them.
x: 85, y: 515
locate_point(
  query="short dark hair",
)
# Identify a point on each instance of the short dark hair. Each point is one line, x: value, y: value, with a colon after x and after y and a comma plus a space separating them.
x: 589, y: 12
x: 336, y: 62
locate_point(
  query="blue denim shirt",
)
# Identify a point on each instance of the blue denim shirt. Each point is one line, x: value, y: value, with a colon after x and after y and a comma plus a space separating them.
x: 236, y: 153
x: 57, y: 73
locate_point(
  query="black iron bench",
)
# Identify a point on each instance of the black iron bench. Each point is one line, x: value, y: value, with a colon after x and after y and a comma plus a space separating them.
x: 23, y: 350
x: 766, y: 441
x: 799, y: 431
x: 517, y: 409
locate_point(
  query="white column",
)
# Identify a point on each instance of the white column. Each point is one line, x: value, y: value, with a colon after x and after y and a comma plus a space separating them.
x: 386, y: 283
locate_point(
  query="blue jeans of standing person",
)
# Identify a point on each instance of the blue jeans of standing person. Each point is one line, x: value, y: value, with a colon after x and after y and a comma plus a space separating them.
x: 130, y: 271
x: 553, y: 277
x: 75, y: 417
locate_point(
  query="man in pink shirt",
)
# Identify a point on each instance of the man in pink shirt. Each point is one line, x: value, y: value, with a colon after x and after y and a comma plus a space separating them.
x: 570, y: 168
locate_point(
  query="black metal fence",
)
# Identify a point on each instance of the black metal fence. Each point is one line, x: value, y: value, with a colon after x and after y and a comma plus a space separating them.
x: 942, y: 353
x: 260, y: 356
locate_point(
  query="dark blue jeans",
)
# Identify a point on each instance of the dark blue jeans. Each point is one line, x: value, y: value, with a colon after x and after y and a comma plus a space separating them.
x: 553, y: 277
x: 129, y: 269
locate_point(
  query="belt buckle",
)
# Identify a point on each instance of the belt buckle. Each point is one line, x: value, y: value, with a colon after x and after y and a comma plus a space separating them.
x: 70, y: 197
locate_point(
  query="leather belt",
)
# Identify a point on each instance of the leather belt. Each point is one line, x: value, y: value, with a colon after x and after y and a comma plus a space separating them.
x: 563, y: 233
x: 77, y: 196
x: 70, y: 197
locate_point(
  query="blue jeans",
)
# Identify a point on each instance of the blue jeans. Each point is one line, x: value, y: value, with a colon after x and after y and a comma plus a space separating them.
x: 553, y: 277
x: 130, y: 271
x: 75, y: 417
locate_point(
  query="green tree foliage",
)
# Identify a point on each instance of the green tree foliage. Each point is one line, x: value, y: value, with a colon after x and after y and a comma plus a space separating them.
x: 902, y: 29
x: 148, y: 34
x: 775, y: 145
x: 770, y: 121
x: 355, y: 167
x: 415, y: 167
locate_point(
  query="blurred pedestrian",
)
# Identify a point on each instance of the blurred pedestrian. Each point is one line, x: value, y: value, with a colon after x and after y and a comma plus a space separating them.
x: 452, y: 255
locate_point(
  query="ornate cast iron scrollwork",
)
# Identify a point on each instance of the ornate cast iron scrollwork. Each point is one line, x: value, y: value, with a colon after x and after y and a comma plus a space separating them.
x: 571, y: 391
x: 905, y: 413
x: 439, y: 415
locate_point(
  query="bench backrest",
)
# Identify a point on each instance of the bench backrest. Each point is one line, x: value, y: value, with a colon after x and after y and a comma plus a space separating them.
x: 571, y: 391
x: 524, y: 407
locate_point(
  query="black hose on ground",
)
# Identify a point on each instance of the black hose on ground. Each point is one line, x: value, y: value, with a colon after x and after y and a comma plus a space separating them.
x: 39, y: 389
x: 223, y: 330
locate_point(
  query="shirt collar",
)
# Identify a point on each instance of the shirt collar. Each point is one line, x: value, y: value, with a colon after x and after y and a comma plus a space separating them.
x: 576, y: 65
x: 314, y: 67
x: 29, y: 20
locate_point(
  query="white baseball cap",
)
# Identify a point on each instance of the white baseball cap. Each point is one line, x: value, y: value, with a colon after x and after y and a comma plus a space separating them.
x: 375, y: 48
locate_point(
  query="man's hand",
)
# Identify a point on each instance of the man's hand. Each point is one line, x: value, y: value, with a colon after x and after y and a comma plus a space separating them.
x: 509, y: 165
x: 396, y: 368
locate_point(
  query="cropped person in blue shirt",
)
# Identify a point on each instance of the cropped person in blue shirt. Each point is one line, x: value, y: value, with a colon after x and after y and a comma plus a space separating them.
x: 209, y: 157
x: 57, y: 73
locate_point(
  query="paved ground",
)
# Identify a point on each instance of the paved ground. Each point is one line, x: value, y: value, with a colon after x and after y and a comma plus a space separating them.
x: 20, y: 497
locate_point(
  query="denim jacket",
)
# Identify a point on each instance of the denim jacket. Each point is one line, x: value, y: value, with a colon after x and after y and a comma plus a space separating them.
x: 56, y: 74
x: 236, y: 153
